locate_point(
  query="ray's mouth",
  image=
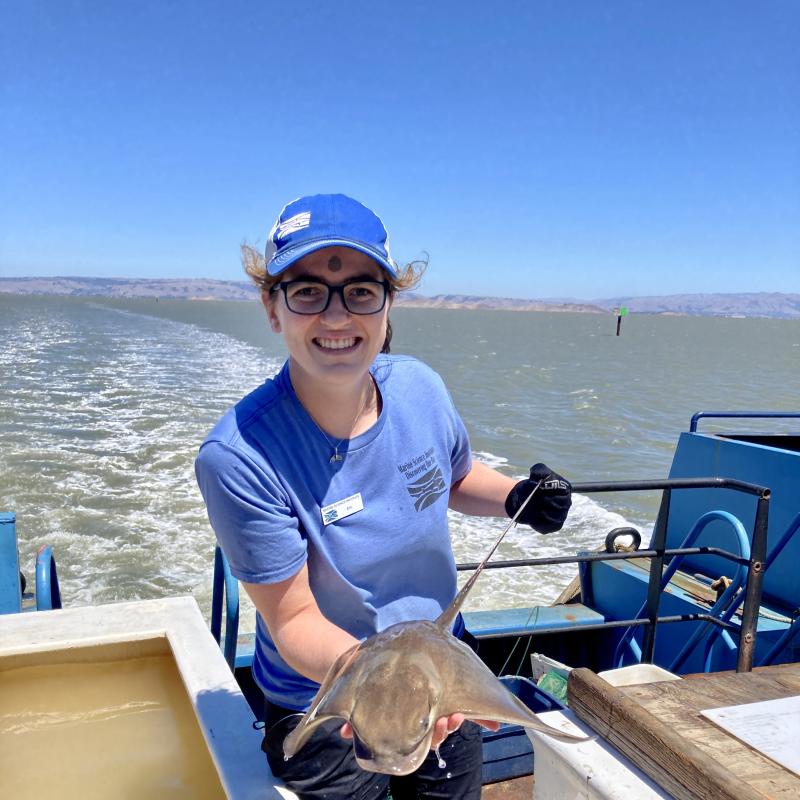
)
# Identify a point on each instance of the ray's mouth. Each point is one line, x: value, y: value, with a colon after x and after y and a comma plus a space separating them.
x: 394, y: 763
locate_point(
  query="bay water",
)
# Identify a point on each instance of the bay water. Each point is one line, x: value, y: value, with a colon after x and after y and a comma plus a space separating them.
x: 103, y: 404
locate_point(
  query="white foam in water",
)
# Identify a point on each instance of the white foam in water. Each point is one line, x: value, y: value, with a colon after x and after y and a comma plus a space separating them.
x: 99, y: 447
x: 103, y: 411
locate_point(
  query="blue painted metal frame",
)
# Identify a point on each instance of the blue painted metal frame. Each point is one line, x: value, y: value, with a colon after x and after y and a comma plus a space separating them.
x: 767, y: 464
x: 226, y: 587
x: 10, y: 590
x: 716, y: 610
x: 782, y: 643
x: 791, y: 631
x: 725, y: 599
x: 659, y: 551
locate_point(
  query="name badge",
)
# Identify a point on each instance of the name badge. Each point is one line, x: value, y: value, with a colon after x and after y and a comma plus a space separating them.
x: 342, y: 508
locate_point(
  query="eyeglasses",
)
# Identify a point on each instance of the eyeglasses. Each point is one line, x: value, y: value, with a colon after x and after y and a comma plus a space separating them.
x: 313, y: 297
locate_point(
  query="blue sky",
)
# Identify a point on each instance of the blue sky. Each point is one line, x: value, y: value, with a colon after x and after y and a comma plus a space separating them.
x: 569, y: 148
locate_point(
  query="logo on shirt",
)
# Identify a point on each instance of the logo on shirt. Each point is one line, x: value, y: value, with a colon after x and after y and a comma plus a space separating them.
x: 425, y: 491
x: 425, y: 480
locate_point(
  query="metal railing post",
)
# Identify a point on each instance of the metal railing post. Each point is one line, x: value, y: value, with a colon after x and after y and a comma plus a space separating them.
x: 755, y: 580
x: 658, y: 552
x: 225, y: 588
x: 654, y: 582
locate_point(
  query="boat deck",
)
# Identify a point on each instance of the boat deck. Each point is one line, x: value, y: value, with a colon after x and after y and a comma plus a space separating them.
x: 516, y: 789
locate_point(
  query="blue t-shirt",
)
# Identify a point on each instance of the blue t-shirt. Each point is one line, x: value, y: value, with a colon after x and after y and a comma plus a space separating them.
x: 273, y: 495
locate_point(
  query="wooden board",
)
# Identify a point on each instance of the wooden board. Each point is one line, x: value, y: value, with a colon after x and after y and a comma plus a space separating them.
x: 659, y: 727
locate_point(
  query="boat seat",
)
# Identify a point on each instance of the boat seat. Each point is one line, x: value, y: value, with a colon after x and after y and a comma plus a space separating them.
x: 525, y: 621
x: 245, y: 647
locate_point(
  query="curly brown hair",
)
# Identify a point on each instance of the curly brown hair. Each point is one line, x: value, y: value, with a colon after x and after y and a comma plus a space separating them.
x: 407, y: 278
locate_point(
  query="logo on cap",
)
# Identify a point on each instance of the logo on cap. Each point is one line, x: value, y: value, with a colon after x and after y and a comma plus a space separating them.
x: 293, y: 224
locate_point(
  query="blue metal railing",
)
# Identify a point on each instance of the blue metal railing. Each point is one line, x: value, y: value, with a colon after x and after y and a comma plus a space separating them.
x: 48, y: 594
x: 740, y: 415
x: 788, y: 636
x: 225, y: 587
x: 749, y: 559
x: 728, y: 596
x: 717, y: 609
x: 658, y: 553
x: 790, y: 632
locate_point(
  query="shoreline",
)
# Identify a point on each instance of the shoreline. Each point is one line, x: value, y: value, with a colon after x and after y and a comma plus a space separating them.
x: 771, y: 305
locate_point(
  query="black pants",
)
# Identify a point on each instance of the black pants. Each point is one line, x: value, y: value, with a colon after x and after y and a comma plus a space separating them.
x: 326, y: 767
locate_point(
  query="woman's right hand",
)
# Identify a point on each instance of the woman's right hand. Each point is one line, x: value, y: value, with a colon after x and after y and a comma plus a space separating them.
x: 442, y: 728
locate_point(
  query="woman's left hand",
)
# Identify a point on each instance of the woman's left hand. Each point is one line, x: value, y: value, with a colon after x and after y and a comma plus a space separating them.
x: 446, y: 725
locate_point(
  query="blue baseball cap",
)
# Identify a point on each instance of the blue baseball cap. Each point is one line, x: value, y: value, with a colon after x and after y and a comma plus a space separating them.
x: 326, y: 220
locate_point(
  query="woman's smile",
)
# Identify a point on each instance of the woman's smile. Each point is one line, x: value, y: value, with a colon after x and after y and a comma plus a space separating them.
x: 325, y: 343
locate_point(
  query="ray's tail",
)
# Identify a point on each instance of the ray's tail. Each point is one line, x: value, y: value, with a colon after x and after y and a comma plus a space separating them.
x: 448, y: 616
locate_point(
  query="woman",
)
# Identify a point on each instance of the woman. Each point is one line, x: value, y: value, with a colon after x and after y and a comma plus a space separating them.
x: 328, y: 490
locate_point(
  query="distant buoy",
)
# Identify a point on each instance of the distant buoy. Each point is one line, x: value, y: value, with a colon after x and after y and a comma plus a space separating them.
x: 621, y: 312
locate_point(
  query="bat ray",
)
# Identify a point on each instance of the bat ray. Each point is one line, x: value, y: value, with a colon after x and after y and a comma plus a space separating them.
x: 393, y: 686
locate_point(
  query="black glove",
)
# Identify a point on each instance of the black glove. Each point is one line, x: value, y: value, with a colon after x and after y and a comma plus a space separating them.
x: 548, y: 507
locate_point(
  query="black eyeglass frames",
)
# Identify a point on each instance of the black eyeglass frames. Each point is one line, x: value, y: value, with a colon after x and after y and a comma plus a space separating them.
x: 313, y: 297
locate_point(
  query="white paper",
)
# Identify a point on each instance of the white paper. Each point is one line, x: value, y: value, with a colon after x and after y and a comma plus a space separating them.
x: 772, y: 727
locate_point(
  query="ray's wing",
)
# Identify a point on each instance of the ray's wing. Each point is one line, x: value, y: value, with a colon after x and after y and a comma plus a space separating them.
x: 474, y: 691
x: 512, y: 710
x: 334, y: 699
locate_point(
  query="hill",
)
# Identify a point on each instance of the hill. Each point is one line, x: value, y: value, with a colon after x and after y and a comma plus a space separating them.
x: 743, y: 304
x: 186, y: 289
